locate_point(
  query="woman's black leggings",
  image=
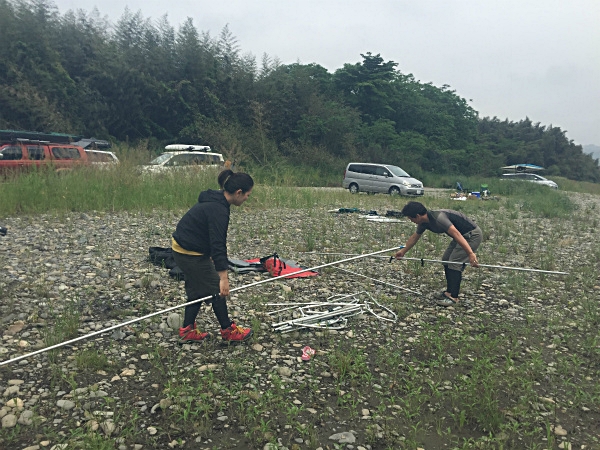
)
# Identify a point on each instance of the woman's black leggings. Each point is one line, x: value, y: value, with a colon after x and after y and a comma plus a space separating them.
x: 201, y: 280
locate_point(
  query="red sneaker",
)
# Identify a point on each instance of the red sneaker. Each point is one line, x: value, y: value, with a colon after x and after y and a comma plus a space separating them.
x: 191, y: 333
x: 236, y: 333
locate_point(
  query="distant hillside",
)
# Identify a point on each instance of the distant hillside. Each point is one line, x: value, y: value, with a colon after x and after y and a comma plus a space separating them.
x: 592, y: 149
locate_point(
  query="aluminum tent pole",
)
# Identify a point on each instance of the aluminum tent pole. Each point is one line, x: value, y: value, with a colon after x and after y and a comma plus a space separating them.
x: 147, y: 316
x: 343, y: 254
x: 391, y: 258
x: 523, y: 269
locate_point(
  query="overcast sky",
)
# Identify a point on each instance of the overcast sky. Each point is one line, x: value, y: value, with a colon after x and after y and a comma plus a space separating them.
x: 512, y: 58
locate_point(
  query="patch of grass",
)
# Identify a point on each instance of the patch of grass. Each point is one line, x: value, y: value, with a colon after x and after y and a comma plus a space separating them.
x: 91, y: 359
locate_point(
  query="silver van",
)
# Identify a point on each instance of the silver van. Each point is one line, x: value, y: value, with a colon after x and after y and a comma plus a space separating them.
x: 532, y: 177
x: 385, y: 178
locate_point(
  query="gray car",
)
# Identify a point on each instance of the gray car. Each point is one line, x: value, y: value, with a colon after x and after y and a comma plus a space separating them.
x: 380, y: 178
x: 531, y: 177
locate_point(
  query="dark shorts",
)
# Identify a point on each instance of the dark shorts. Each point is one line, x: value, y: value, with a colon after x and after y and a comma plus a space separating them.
x: 201, y: 277
x: 456, y: 253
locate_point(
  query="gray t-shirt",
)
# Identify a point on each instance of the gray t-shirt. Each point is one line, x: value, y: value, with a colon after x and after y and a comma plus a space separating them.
x: 441, y: 219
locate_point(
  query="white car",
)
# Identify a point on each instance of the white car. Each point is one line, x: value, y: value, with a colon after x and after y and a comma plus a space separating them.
x: 183, y: 156
x: 101, y: 157
x: 532, y: 177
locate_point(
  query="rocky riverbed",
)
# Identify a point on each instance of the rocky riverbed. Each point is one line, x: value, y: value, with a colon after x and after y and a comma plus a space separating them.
x: 136, y: 387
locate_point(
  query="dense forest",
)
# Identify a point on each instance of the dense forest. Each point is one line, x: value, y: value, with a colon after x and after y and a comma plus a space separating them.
x: 143, y: 80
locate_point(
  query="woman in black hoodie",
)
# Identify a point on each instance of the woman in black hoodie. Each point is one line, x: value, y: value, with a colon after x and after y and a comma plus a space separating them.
x: 199, y: 246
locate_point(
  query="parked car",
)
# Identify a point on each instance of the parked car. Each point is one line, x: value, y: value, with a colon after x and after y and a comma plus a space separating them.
x: 184, y: 157
x: 384, y: 178
x: 531, y: 177
x: 20, y: 155
x: 93, y: 144
x: 101, y: 157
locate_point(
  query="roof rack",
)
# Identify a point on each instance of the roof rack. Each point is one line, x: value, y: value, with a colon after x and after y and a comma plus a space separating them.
x: 188, y: 148
x: 35, y: 136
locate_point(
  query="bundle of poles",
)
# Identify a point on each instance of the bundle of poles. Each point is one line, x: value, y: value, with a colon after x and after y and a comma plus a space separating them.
x: 332, y: 314
x: 352, y: 257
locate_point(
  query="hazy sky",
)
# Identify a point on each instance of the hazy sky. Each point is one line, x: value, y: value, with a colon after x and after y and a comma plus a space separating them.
x: 512, y: 58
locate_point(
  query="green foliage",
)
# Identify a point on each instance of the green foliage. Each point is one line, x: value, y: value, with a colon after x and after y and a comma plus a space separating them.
x: 140, y: 80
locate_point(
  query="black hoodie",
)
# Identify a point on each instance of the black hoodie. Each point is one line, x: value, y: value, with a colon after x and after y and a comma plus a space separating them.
x: 203, y: 228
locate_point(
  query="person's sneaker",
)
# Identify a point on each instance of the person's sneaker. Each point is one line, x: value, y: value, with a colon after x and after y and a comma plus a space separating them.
x: 236, y: 333
x: 191, y: 333
x: 446, y: 302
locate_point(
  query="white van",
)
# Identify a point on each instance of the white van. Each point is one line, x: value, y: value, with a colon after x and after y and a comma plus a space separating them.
x: 384, y: 178
x: 184, y: 156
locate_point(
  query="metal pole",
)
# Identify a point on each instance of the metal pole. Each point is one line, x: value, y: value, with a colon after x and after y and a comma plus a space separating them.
x: 553, y: 272
x: 147, y: 316
x: 342, y: 254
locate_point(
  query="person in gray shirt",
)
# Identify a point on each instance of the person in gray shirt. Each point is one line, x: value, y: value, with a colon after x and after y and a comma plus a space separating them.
x: 466, y: 237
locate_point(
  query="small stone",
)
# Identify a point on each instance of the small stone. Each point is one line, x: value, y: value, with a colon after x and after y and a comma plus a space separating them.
x: 174, y: 321
x: 285, y: 371
x: 11, y: 390
x: 152, y: 431
x: 15, y: 403
x: 560, y: 431
x: 15, y: 328
x: 26, y: 418
x: 343, y: 438
x: 9, y: 421
x: 108, y: 427
x: 65, y: 404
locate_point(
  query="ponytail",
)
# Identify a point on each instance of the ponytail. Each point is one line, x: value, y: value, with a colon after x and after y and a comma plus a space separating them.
x: 231, y: 181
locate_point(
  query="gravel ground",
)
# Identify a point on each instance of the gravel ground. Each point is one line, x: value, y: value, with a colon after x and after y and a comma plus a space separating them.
x: 96, y: 265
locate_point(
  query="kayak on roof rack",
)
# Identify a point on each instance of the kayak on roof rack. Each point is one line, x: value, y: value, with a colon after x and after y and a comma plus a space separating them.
x: 523, y: 168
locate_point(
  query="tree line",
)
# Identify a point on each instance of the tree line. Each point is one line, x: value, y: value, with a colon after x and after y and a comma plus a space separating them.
x: 140, y: 79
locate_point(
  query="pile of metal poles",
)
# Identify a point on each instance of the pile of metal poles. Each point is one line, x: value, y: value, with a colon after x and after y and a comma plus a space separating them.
x: 331, y: 314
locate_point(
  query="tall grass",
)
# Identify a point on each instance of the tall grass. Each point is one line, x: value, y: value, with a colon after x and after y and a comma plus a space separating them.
x: 125, y: 188
x: 120, y: 188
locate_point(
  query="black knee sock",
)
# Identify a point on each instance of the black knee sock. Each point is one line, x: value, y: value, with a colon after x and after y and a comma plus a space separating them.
x: 454, y: 277
x: 191, y: 311
x: 219, y: 305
